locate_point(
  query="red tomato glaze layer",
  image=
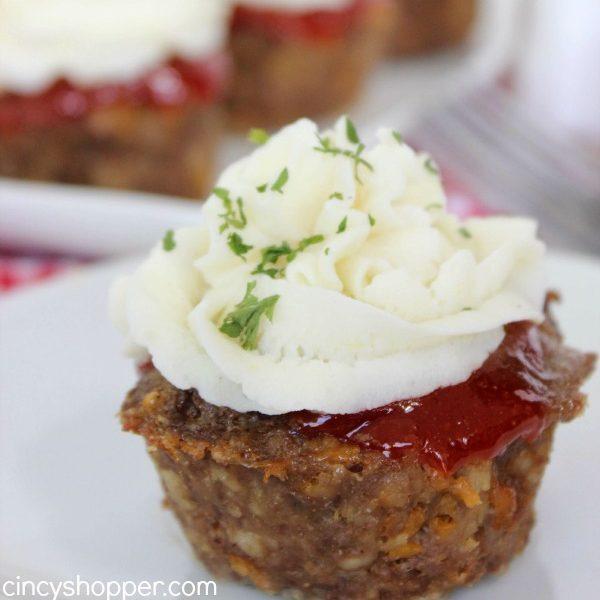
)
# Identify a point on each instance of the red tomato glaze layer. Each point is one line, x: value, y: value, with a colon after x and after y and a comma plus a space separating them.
x: 502, y: 401
x: 174, y: 83
x: 320, y: 25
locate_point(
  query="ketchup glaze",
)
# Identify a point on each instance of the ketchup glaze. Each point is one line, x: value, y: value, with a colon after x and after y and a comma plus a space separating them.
x: 173, y: 83
x: 320, y: 25
x: 505, y: 399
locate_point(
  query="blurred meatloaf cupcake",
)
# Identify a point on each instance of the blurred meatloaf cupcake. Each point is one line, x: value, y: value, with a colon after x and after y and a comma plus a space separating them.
x: 118, y: 93
x: 347, y: 391
x: 295, y: 58
x: 426, y: 25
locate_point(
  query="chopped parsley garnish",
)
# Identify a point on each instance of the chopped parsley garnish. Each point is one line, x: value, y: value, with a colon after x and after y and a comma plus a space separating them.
x: 465, y: 232
x: 243, y: 321
x: 306, y: 242
x: 372, y: 220
x: 398, y: 137
x: 431, y: 166
x: 327, y: 251
x: 325, y: 146
x: 258, y: 136
x: 168, y: 242
x: 336, y: 196
x: 468, y: 308
x: 281, y: 181
x: 342, y: 226
x: 234, y: 214
x: 433, y: 205
x: 272, y: 255
x: 351, y: 133
x: 235, y: 242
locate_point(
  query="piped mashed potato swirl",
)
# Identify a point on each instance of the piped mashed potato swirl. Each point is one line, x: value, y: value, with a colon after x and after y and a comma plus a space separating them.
x: 93, y: 42
x: 383, y: 294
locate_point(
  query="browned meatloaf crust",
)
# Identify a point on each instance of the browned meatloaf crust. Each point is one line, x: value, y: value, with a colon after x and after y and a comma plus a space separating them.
x: 319, y: 518
x: 168, y: 151
x: 280, y: 80
x: 425, y: 25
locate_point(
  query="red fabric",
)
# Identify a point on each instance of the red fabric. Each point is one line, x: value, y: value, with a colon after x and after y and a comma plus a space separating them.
x: 18, y: 271
x: 461, y: 201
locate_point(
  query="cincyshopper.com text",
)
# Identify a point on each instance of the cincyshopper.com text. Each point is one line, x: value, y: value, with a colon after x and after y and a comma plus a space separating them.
x: 107, y: 590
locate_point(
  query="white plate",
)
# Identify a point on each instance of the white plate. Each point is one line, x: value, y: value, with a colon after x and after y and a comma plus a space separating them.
x: 104, y: 223
x: 80, y: 497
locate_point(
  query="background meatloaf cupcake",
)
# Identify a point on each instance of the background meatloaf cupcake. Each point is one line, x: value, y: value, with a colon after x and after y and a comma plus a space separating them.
x: 425, y: 25
x: 112, y: 93
x: 297, y: 58
x: 347, y: 392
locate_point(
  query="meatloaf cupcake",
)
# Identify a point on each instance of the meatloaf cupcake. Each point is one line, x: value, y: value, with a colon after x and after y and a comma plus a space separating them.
x: 294, y: 58
x: 118, y: 93
x: 426, y: 25
x: 347, y: 392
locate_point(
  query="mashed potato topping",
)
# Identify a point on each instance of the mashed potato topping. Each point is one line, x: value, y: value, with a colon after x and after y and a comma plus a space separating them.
x: 97, y: 41
x: 324, y: 275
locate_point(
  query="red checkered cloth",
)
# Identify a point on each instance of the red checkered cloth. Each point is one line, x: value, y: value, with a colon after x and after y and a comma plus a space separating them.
x: 17, y: 271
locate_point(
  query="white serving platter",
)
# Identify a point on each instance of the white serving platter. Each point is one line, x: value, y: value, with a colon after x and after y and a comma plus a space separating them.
x: 79, y: 497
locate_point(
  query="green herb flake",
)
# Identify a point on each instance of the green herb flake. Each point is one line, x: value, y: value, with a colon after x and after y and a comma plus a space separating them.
x: 398, y: 137
x: 270, y: 263
x: 372, y: 220
x: 325, y: 146
x: 465, y: 233
x: 222, y: 193
x: 432, y: 167
x: 235, y: 242
x: 262, y: 188
x: 309, y: 241
x: 168, y: 241
x: 468, y: 308
x: 282, y: 179
x: 258, y: 136
x: 270, y: 256
x: 336, y: 196
x: 342, y: 226
x: 243, y: 321
x: 234, y: 215
x: 327, y: 251
x: 351, y: 132
x: 433, y: 206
